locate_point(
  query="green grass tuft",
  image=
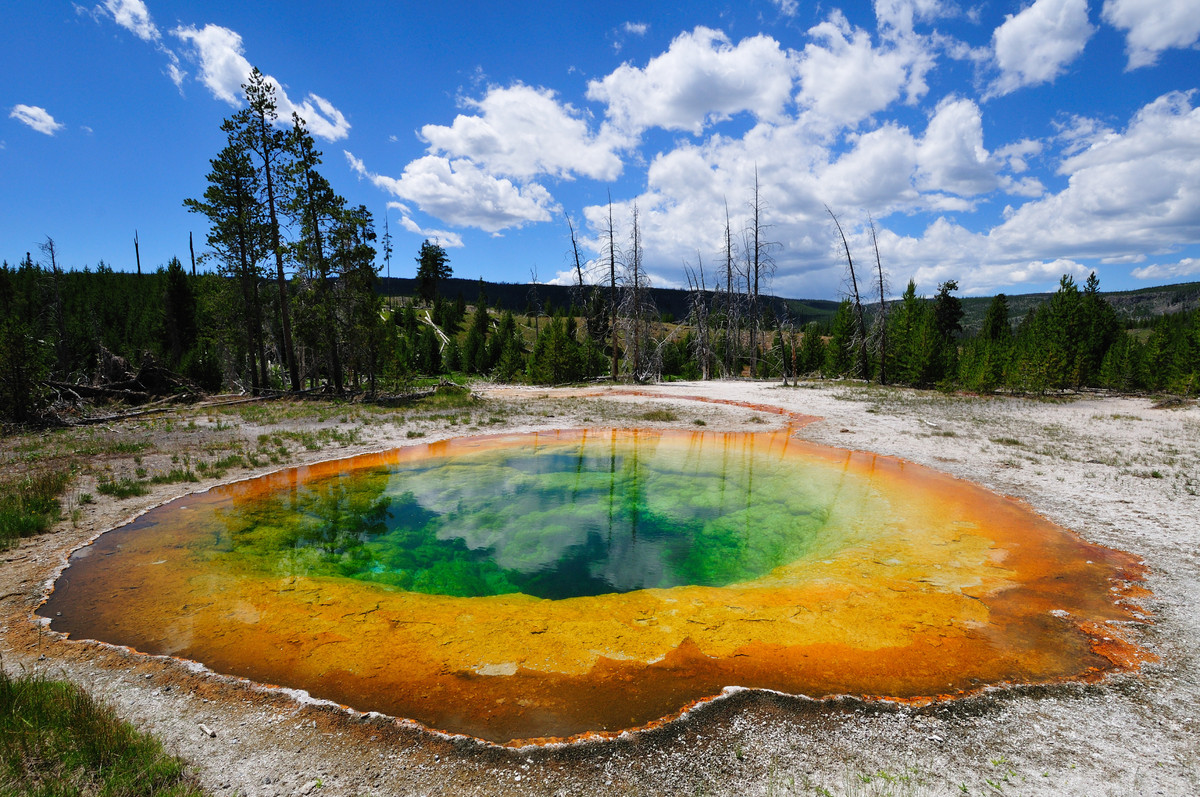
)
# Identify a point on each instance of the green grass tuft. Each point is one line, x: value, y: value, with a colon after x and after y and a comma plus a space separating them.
x: 122, y: 488
x: 56, y: 740
x: 29, y: 504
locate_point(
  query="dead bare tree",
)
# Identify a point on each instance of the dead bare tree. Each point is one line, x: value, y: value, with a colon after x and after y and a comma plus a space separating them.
x: 879, y: 325
x: 612, y: 287
x: 732, y: 322
x: 760, y: 265
x: 858, y: 342
x: 636, y: 307
x: 699, y: 307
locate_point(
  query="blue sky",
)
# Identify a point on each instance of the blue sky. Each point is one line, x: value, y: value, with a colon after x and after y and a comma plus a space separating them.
x: 1001, y: 144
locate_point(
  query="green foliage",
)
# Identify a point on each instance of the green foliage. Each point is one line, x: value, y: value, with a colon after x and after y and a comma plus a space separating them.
x: 24, y: 363
x: 29, y: 504
x: 559, y: 356
x: 433, y: 265
x: 811, y: 354
x: 54, y: 739
x: 841, y: 336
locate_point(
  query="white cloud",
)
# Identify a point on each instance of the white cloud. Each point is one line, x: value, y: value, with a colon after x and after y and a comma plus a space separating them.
x: 444, y: 238
x: 635, y: 28
x: 1036, y: 45
x: 845, y: 78
x: 701, y: 79
x: 523, y: 132
x: 460, y: 193
x: 951, y: 156
x: 1187, y: 267
x: 1017, y: 154
x: 1136, y: 191
x: 37, y: 118
x: 1129, y: 194
x: 134, y: 17
x: 224, y: 68
x: 1153, y: 26
x: 787, y: 7
x: 899, y: 15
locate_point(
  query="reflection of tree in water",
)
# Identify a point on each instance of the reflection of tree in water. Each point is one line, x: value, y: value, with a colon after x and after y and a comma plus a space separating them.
x: 347, y: 525
x: 612, y: 515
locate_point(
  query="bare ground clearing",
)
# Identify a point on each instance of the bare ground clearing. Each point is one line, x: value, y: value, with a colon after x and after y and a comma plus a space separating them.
x: 1115, y: 470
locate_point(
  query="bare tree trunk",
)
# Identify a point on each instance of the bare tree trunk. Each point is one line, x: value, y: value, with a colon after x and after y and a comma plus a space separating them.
x: 612, y: 287
x: 700, y: 317
x: 730, y: 322
x: 756, y: 252
x: 881, y: 319
x: 860, y: 329
x: 636, y: 264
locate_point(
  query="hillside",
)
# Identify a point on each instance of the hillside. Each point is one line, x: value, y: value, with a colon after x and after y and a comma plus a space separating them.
x: 1144, y: 303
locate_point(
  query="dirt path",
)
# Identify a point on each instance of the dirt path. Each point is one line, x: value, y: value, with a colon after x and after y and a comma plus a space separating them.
x: 1114, y: 470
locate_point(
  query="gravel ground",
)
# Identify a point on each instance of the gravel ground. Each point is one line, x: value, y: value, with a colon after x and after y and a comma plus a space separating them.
x: 1115, y: 470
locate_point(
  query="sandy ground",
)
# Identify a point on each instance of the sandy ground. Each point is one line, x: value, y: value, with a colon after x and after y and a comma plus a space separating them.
x: 1115, y: 470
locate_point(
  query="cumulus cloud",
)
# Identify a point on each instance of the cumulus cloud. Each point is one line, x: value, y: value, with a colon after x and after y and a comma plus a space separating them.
x: 1036, y: 45
x: 1129, y: 193
x: 1187, y: 267
x: 444, y: 238
x: 522, y: 132
x: 134, y: 17
x: 951, y: 156
x: 1152, y: 26
x: 37, y: 118
x: 1136, y: 191
x: 460, y: 193
x: 635, y: 28
x: 701, y: 79
x: 224, y: 68
x: 845, y: 78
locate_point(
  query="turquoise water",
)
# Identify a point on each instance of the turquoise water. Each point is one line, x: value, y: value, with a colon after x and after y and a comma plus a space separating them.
x: 605, y: 513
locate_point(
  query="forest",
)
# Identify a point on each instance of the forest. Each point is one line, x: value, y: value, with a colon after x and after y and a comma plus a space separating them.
x: 291, y: 300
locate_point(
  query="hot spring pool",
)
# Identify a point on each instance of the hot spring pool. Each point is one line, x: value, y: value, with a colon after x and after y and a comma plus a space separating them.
x: 531, y: 586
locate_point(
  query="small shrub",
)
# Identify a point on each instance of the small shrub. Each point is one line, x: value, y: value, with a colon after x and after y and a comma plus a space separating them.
x: 660, y: 415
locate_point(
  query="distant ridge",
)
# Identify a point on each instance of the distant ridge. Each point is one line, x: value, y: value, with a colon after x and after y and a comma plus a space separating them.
x: 1134, y: 305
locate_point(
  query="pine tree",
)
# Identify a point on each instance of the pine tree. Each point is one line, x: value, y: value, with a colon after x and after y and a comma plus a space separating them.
x: 433, y: 265
x: 839, y: 352
x: 255, y: 130
x: 240, y: 238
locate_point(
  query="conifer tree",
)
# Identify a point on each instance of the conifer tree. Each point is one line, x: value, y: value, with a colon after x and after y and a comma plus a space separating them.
x: 255, y: 129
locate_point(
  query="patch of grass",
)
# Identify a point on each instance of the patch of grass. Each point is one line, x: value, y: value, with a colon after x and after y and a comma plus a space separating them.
x: 174, y: 475
x: 700, y: 422
x: 29, y: 504
x: 94, y: 447
x: 414, y: 433
x: 661, y: 415
x: 1006, y: 441
x: 124, y: 487
x: 56, y: 740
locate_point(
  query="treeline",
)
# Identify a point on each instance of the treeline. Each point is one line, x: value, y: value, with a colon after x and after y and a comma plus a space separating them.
x: 1072, y: 341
